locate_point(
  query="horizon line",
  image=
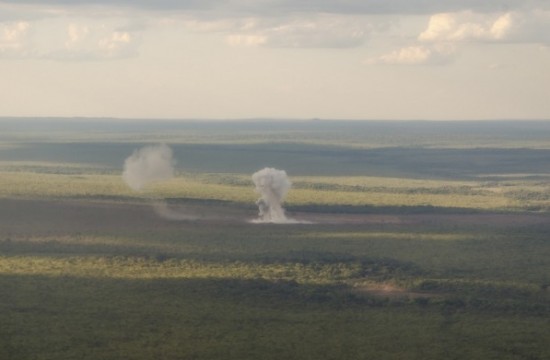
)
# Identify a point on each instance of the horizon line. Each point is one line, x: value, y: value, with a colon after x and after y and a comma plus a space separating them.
x: 252, y: 119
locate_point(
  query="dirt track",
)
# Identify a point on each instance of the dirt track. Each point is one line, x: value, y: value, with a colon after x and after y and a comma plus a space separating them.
x: 53, y: 216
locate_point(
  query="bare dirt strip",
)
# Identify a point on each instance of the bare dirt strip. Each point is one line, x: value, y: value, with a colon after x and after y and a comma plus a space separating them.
x: 21, y: 215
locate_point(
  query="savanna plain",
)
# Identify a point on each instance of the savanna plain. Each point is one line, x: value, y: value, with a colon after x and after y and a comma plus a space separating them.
x: 413, y: 240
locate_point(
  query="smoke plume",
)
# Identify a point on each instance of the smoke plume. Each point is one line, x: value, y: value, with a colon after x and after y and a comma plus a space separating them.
x: 150, y: 164
x: 272, y: 185
x: 147, y: 165
x: 163, y: 210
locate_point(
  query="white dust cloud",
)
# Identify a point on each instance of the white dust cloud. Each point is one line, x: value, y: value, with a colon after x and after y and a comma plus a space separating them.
x: 272, y: 185
x: 155, y: 163
x: 147, y: 165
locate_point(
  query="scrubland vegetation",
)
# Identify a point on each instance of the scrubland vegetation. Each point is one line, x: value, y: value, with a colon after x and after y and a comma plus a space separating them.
x: 511, y: 195
x: 445, y: 256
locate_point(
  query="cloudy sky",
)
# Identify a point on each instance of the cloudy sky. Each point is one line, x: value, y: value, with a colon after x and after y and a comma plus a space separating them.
x: 349, y: 59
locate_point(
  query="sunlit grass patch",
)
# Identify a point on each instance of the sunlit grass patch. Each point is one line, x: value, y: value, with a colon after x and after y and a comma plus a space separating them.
x: 50, y: 167
x: 95, y: 244
x: 35, y: 185
x: 310, y: 197
x: 149, y: 268
x: 338, y: 236
x: 377, y: 182
x: 344, y: 191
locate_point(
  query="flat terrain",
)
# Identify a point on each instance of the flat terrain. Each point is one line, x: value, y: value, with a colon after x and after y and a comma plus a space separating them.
x: 410, y: 242
x: 108, y: 279
x: 95, y: 216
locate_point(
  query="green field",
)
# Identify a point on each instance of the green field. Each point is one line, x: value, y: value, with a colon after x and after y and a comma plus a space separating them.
x: 422, y: 241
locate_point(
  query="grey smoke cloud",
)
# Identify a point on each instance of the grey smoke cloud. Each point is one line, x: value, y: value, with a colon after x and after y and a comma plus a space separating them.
x: 150, y: 164
x: 273, y: 186
x: 155, y: 163
x: 147, y: 165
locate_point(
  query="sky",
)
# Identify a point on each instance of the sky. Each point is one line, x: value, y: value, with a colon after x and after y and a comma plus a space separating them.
x: 279, y: 59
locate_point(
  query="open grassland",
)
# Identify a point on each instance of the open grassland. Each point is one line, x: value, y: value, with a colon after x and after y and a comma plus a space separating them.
x: 352, y: 191
x: 416, y: 244
x: 314, y: 192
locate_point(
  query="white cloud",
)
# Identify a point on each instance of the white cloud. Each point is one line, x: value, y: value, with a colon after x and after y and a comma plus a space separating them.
x: 76, y: 34
x: 93, y: 41
x: 115, y: 41
x: 440, y: 40
x: 526, y: 27
x: 13, y: 37
x: 13, y: 32
x: 99, y: 43
x: 321, y: 31
x: 502, y: 26
x: 417, y: 55
x: 68, y: 39
x: 308, y: 31
x: 467, y: 26
x: 246, y: 40
x: 438, y: 25
x: 408, y: 55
